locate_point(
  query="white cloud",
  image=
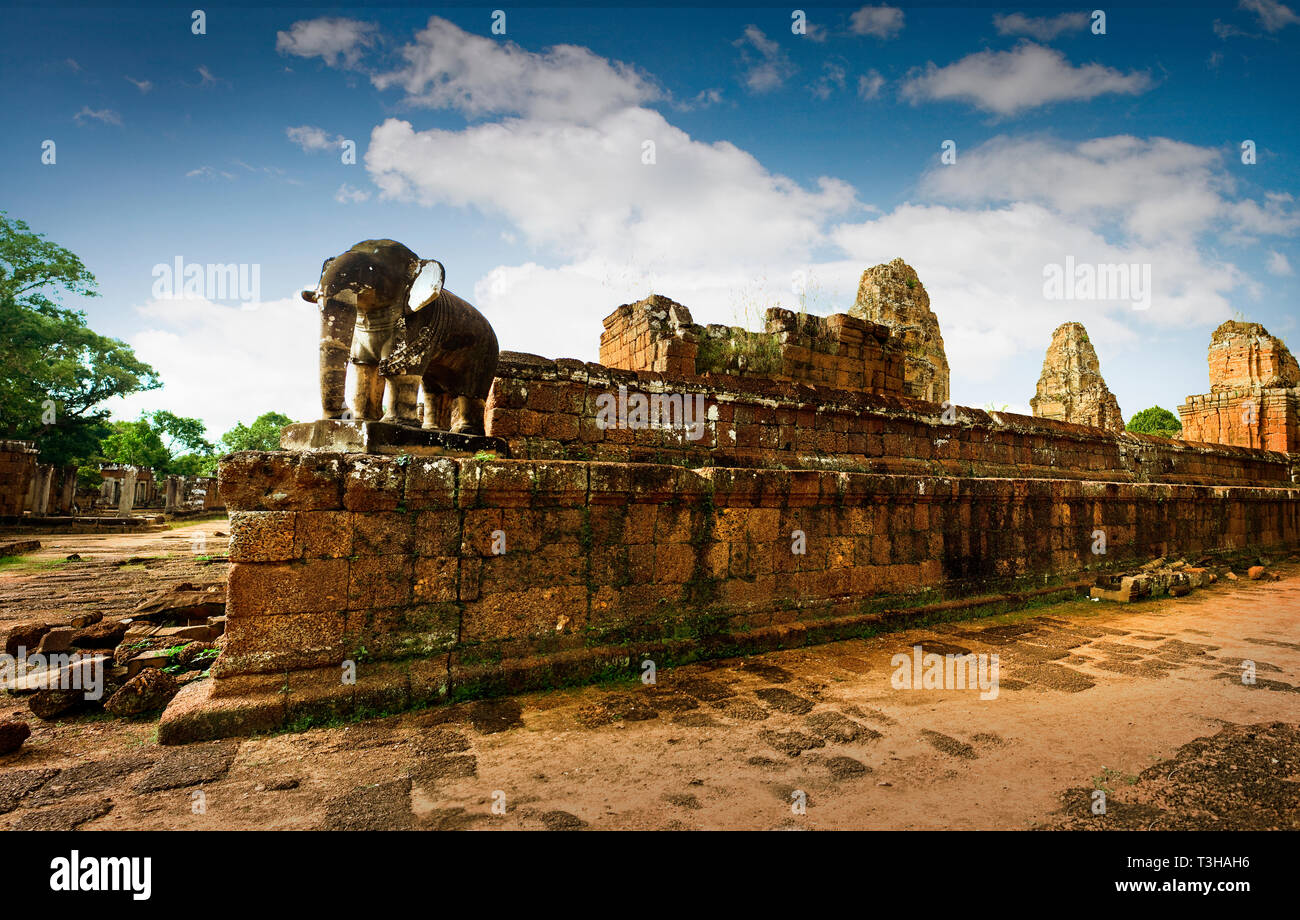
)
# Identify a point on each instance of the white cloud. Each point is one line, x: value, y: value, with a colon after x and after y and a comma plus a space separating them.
x: 208, y: 172
x: 107, y: 116
x: 1273, y: 16
x: 766, y: 66
x: 880, y: 21
x: 313, y: 139
x: 206, y: 77
x: 348, y: 194
x: 870, y: 84
x: 225, y: 364
x: 1007, y: 82
x: 1043, y: 28
x: 447, y: 67
x: 833, y: 78
x: 710, y: 226
x: 143, y: 86
x: 1278, y: 264
x: 337, y: 41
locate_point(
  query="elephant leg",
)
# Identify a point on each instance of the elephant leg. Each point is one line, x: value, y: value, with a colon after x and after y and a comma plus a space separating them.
x: 336, y: 326
x: 467, y: 415
x: 436, y: 407
x: 400, y: 399
x: 368, y: 393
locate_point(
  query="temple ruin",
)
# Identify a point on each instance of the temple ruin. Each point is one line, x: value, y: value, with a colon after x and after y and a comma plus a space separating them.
x: 1254, y: 398
x: 1071, y: 388
x: 893, y: 296
x: 750, y: 490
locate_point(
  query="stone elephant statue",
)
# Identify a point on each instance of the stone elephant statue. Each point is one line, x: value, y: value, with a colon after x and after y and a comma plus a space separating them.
x: 386, y: 308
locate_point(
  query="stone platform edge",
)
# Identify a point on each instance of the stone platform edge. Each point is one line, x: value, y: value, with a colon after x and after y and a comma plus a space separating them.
x: 294, y: 700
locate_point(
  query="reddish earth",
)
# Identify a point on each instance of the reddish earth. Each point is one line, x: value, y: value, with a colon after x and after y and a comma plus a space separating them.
x: 1145, y: 702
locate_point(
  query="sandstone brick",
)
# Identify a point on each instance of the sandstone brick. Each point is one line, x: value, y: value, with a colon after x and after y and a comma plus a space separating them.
x: 262, y: 536
x: 273, y: 589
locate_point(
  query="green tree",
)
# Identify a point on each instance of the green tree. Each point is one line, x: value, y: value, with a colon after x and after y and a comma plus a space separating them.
x: 263, y: 434
x: 55, y: 371
x: 135, y: 444
x: 1156, y: 421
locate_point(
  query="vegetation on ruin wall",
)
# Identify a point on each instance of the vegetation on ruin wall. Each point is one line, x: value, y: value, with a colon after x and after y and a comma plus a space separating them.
x: 738, y: 352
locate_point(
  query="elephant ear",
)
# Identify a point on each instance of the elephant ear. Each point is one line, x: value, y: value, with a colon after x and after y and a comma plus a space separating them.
x: 427, y: 284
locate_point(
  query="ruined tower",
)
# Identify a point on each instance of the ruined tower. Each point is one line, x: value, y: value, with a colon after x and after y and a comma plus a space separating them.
x: 1071, y: 388
x: 892, y: 295
x: 1254, y: 398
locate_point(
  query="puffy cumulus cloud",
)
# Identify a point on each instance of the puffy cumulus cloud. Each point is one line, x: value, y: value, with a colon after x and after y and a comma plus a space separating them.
x: 764, y: 66
x: 585, y: 189
x: 227, y: 363
x: 1154, y: 189
x: 1043, y: 28
x: 1026, y: 77
x: 880, y: 21
x: 449, y: 68
x: 336, y: 40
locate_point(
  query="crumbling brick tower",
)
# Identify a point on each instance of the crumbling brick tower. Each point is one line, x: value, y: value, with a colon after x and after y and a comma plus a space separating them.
x: 1071, y: 388
x: 893, y: 295
x: 1254, y: 398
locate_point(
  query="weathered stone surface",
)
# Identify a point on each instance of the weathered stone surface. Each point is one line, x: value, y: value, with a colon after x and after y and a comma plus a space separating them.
x: 186, y: 601
x: 892, y: 295
x: 104, y: 634
x: 50, y: 704
x: 1071, y: 388
x: 1245, y: 355
x: 25, y: 636
x: 149, y: 690
x: 56, y: 640
x: 13, y: 733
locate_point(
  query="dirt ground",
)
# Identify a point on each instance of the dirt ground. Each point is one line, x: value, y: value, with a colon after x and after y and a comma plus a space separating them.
x: 1145, y: 703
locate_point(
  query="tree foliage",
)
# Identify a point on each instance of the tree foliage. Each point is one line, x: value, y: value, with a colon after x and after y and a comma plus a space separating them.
x: 263, y: 434
x: 55, y: 371
x: 1156, y: 421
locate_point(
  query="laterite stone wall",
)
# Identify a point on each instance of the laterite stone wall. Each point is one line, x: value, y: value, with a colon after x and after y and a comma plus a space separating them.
x: 455, y: 564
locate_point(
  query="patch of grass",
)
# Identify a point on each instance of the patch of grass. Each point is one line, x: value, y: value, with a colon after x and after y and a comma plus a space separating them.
x: 29, y: 564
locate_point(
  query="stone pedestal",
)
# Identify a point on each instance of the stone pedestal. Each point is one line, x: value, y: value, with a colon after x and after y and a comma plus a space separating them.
x: 353, y: 437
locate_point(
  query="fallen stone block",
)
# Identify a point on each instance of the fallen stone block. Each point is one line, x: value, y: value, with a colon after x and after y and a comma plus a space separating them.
x: 83, y: 620
x: 1255, y: 572
x: 183, y: 602
x: 103, y: 634
x: 25, y: 636
x: 50, y: 704
x: 147, y: 691
x: 139, y: 663
x: 13, y: 733
x: 56, y: 640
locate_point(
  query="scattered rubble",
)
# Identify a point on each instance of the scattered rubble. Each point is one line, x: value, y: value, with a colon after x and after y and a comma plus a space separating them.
x: 1159, y: 578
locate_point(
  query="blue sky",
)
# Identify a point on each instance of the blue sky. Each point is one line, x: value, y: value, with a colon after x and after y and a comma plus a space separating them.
x: 518, y: 161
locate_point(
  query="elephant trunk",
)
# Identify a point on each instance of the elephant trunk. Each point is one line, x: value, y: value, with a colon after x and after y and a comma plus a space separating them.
x: 338, y: 319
